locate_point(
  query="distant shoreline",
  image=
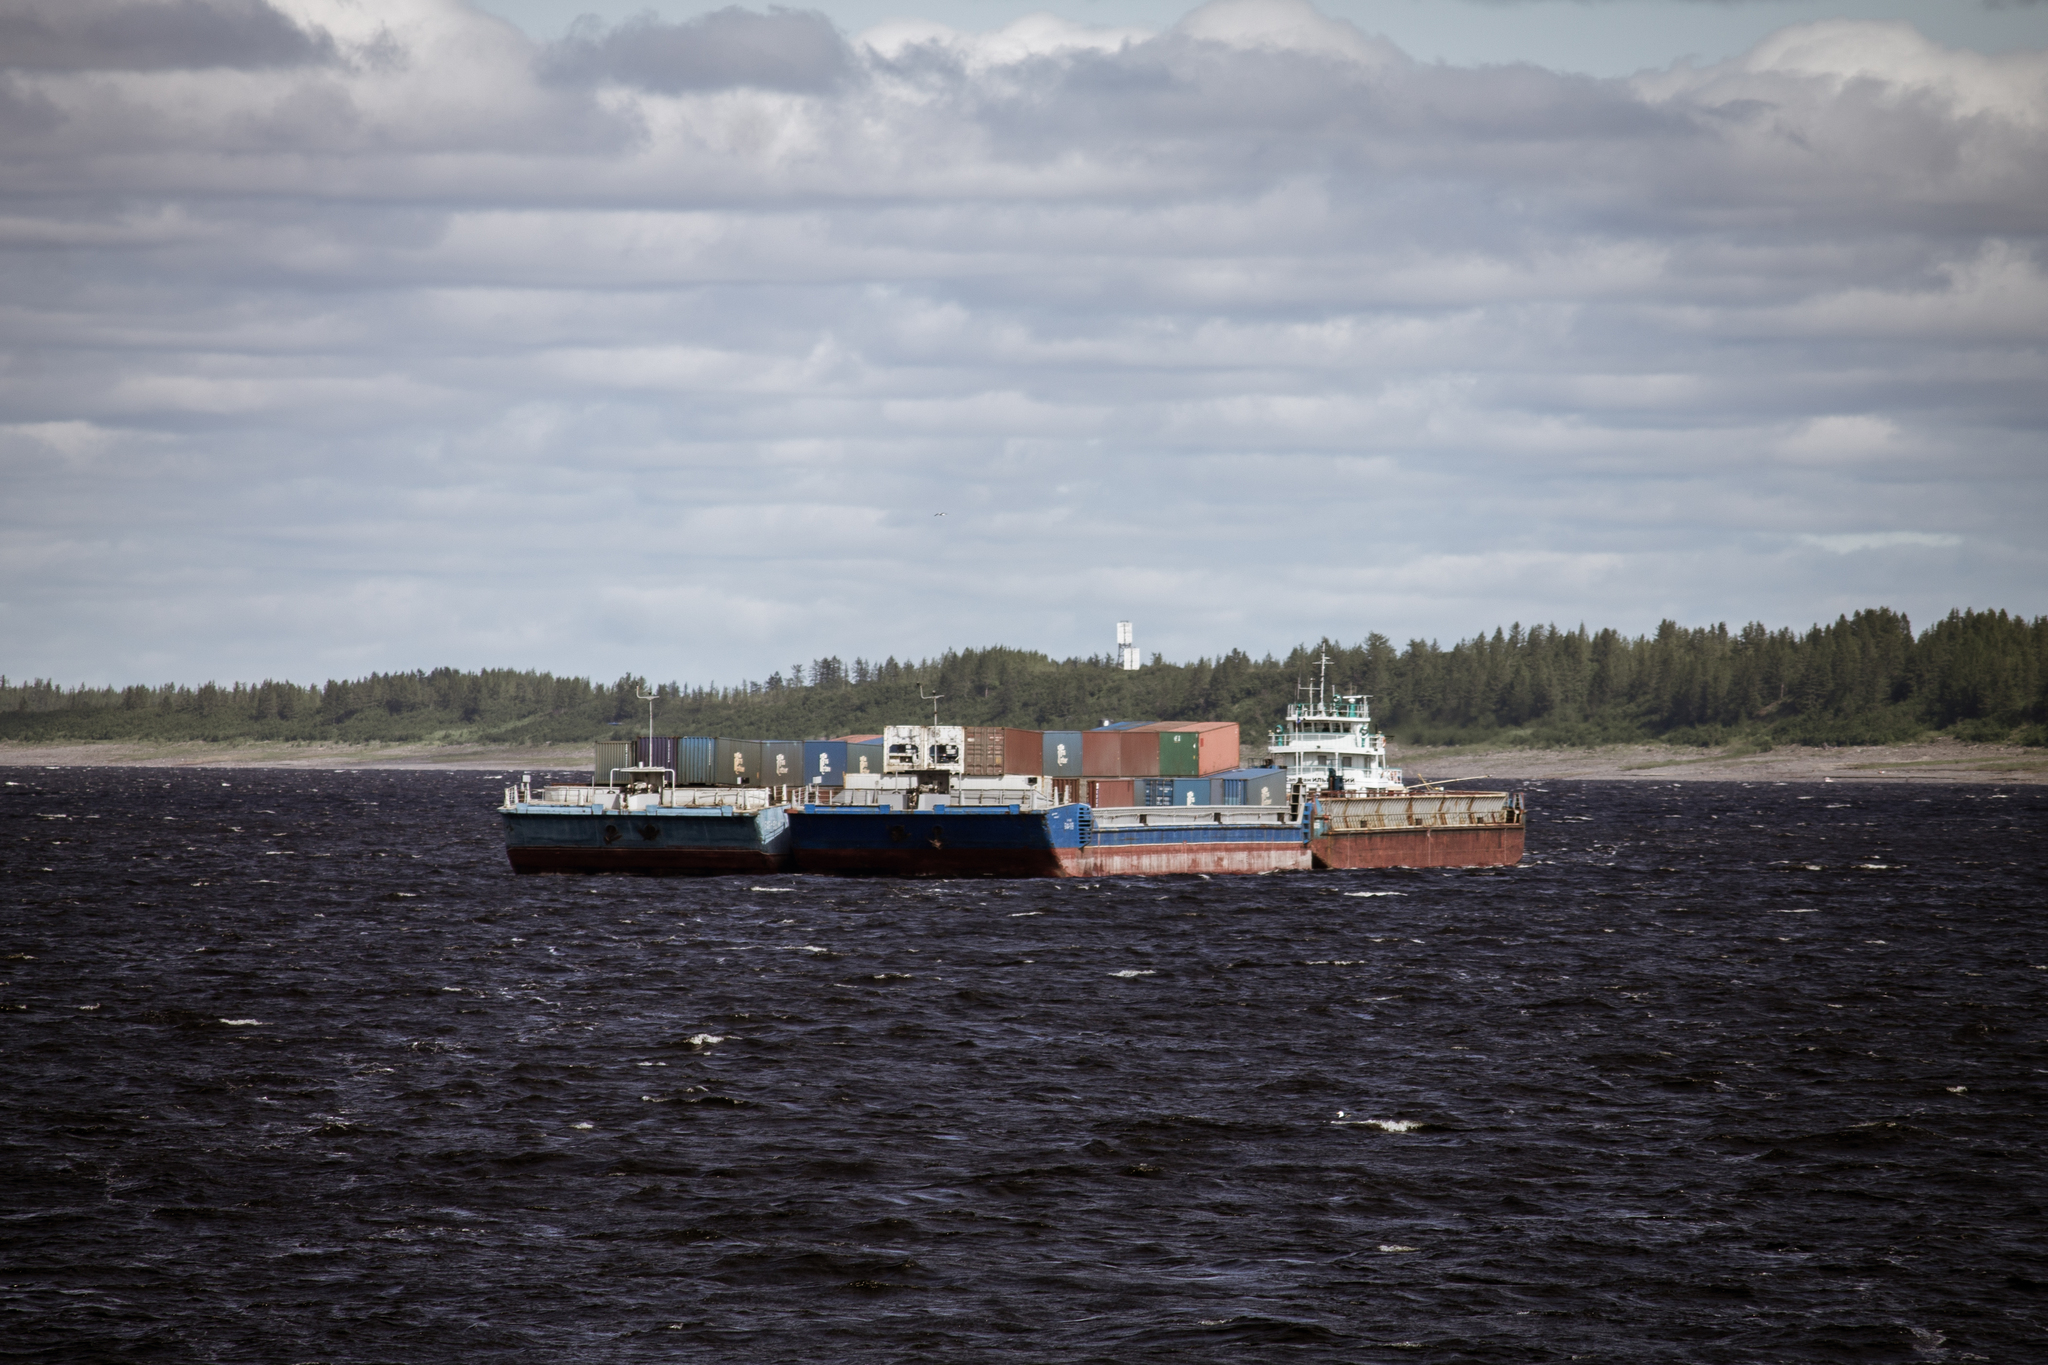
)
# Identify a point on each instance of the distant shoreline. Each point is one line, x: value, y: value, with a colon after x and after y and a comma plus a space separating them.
x: 1932, y: 760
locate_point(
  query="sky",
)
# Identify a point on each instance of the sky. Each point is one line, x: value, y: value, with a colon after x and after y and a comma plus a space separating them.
x: 693, y: 342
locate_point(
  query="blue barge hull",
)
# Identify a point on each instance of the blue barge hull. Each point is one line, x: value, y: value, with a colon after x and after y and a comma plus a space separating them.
x: 1004, y: 841
x: 658, y: 842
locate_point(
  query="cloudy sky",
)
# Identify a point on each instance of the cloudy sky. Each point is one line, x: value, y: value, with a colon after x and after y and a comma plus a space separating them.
x: 340, y: 335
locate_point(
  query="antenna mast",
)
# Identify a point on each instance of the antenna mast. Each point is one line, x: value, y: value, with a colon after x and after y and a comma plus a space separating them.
x: 934, y: 699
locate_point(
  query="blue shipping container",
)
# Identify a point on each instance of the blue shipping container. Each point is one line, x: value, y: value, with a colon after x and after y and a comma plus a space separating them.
x: 1193, y: 791
x: 825, y: 762
x: 693, y: 761
x: 1251, y: 787
x: 1062, y: 753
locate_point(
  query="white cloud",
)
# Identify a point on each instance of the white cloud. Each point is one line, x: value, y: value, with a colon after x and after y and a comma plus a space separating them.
x: 1882, y: 540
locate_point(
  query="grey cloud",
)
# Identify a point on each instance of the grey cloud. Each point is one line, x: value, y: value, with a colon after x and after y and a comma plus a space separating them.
x: 155, y: 35
x: 351, y: 369
x: 783, y: 49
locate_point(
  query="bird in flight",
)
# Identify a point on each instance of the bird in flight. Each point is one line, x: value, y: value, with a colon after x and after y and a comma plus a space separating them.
x: 938, y: 514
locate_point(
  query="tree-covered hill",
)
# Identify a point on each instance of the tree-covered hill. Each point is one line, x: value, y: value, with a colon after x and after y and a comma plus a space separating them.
x: 1864, y: 679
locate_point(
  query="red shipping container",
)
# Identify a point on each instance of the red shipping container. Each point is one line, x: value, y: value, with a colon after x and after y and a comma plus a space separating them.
x: 1024, y: 752
x: 1141, y: 754
x: 1113, y: 792
x: 1102, y: 753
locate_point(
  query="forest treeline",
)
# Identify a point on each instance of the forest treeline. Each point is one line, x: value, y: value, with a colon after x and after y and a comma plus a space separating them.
x: 1864, y: 679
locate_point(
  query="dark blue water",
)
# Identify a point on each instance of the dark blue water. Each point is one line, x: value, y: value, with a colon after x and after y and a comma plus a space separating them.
x: 295, y: 1070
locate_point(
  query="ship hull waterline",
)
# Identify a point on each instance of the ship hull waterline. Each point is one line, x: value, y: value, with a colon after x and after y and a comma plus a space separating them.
x: 647, y: 843
x: 1016, y: 843
x: 1144, y: 860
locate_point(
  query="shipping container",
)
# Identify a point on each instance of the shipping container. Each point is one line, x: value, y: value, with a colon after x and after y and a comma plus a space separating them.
x: 1141, y: 754
x: 1110, y: 792
x: 782, y: 762
x: 1179, y: 753
x: 864, y: 758
x: 736, y: 763
x: 1193, y: 791
x: 984, y: 751
x: 824, y: 762
x: 655, y: 751
x: 1217, y: 740
x: 1024, y: 752
x: 1152, y: 791
x: 924, y: 748
x: 1252, y: 787
x: 1060, y: 754
x: 693, y: 760
x: 611, y: 753
x: 1119, y: 753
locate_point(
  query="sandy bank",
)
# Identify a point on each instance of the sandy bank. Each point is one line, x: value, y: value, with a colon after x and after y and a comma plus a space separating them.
x: 490, y: 758
x: 1934, y: 760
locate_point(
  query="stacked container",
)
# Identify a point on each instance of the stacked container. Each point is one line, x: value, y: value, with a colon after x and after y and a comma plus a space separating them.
x: 825, y: 762
x: 736, y: 763
x: 1119, y: 752
x: 782, y: 763
x: 693, y: 760
x: 1109, y: 792
x: 984, y: 757
x: 611, y: 753
x: 864, y: 758
x: 655, y: 751
x: 1251, y: 787
x: 1059, y: 754
x: 1215, y: 741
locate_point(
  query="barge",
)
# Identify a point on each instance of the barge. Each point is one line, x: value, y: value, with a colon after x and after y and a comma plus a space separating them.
x: 1333, y: 803
x: 645, y: 825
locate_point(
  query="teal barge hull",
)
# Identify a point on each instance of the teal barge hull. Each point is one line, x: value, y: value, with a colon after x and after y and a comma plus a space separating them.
x: 684, y: 842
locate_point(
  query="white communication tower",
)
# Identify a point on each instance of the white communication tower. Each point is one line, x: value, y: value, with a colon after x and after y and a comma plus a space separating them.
x: 1125, y: 649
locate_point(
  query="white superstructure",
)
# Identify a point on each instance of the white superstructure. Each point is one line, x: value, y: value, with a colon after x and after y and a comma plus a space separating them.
x: 1327, y: 743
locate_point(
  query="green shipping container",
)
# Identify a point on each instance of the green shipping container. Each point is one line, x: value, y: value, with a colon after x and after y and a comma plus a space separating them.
x: 1180, y: 753
x: 611, y: 753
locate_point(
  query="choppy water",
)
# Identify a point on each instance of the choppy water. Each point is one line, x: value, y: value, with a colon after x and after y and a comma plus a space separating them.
x: 295, y: 1070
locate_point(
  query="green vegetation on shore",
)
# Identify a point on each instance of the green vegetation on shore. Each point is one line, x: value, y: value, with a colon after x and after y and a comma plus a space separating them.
x: 1865, y: 679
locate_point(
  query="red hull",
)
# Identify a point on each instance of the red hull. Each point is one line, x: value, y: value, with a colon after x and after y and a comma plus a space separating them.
x: 1167, y: 860
x: 1136, y: 860
x: 664, y: 862
x: 1421, y: 846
